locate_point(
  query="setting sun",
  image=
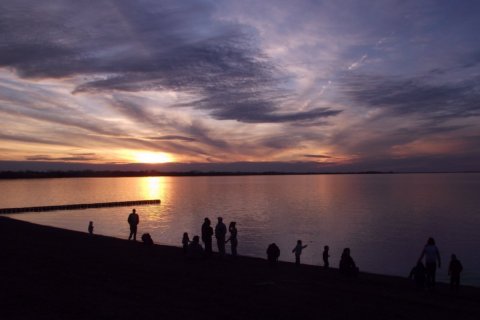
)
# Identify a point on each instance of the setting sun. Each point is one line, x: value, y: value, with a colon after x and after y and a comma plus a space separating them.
x: 152, y: 157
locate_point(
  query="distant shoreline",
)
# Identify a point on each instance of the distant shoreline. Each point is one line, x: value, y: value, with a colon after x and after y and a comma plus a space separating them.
x: 122, y: 174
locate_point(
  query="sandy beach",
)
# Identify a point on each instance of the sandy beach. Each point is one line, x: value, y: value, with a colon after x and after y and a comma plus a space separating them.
x: 50, y: 273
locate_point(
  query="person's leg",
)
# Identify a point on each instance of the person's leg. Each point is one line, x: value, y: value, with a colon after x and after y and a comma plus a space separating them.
x: 431, y: 270
x: 222, y: 246
x: 434, y: 271
x: 208, y: 247
x: 456, y: 282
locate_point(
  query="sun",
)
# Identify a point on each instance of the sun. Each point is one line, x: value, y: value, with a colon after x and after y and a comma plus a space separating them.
x: 152, y: 157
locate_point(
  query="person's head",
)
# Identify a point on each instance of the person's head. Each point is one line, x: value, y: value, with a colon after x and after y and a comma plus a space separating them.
x: 454, y: 257
x: 90, y: 223
x: 232, y: 225
x: 206, y: 220
x: 134, y: 211
x: 299, y: 242
x: 346, y: 252
x: 220, y: 219
x: 326, y: 248
x: 431, y: 241
x: 196, y: 239
x: 185, y: 234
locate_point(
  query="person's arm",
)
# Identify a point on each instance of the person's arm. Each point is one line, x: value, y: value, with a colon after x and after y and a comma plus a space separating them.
x: 304, y: 246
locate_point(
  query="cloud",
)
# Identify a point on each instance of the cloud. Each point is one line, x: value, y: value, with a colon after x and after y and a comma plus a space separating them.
x: 318, y: 156
x: 29, y: 139
x: 414, y: 96
x: 149, y: 45
x: 74, y: 157
x: 172, y: 137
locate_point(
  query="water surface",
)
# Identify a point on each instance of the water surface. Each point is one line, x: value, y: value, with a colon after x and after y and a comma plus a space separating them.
x: 384, y: 219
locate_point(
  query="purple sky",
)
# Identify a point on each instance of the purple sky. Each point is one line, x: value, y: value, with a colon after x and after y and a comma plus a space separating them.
x: 240, y: 85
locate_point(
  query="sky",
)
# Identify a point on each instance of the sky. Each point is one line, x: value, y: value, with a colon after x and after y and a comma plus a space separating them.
x: 305, y: 85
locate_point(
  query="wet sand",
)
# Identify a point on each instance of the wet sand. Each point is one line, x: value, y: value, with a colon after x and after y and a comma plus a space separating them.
x: 50, y: 273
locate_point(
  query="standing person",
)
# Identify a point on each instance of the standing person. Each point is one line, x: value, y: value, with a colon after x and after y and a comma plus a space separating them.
x: 90, y: 227
x: 220, y: 233
x: 185, y: 242
x: 207, y: 234
x: 432, y: 256
x: 298, y: 251
x: 133, y: 221
x: 326, y: 255
x: 454, y: 270
x: 233, y: 237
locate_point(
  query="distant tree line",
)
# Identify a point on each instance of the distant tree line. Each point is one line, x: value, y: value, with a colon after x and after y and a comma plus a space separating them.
x: 150, y: 173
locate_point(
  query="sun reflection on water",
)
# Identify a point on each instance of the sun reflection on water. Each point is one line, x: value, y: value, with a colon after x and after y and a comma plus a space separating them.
x: 153, y: 188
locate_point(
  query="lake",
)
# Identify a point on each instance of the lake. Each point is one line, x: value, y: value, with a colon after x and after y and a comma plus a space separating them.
x: 385, y: 219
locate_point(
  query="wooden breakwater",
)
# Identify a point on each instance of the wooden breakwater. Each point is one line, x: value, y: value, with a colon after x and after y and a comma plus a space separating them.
x: 81, y: 206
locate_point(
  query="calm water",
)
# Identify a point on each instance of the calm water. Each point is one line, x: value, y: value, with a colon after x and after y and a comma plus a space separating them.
x: 384, y: 219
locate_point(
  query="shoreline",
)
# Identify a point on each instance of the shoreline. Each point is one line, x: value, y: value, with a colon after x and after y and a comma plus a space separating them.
x: 34, y: 175
x: 52, y: 273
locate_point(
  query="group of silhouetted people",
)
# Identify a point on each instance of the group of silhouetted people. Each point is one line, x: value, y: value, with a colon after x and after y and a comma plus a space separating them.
x: 194, y: 249
x: 423, y: 274
x: 347, y: 265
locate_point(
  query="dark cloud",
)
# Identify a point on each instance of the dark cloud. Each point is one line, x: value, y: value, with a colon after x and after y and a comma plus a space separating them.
x: 318, y: 156
x: 172, y: 137
x: 29, y: 139
x: 148, y: 45
x: 73, y: 157
x: 415, y: 96
x: 134, y: 111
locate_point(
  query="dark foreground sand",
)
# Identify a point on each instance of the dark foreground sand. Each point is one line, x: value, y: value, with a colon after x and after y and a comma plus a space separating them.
x: 49, y: 273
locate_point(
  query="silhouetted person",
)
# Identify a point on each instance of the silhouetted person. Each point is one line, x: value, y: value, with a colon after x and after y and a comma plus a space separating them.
x: 432, y: 256
x: 133, y: 221
x: 273, y: 253
x: 298, y: 251
x: 147, y: 239
x: 347, y: 265
x: 454, y: 270
x: 207, y: 234
x: 195, y: 250
x: 220, y: 233
x: 233, y: 237
x: 326, y: 255
x: 90, y: 227
x: 185, y: 242
x: 419, y: 274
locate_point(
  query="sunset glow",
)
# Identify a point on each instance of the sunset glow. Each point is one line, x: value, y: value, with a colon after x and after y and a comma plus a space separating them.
x: 237, y: 86
x: 152, y: 157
